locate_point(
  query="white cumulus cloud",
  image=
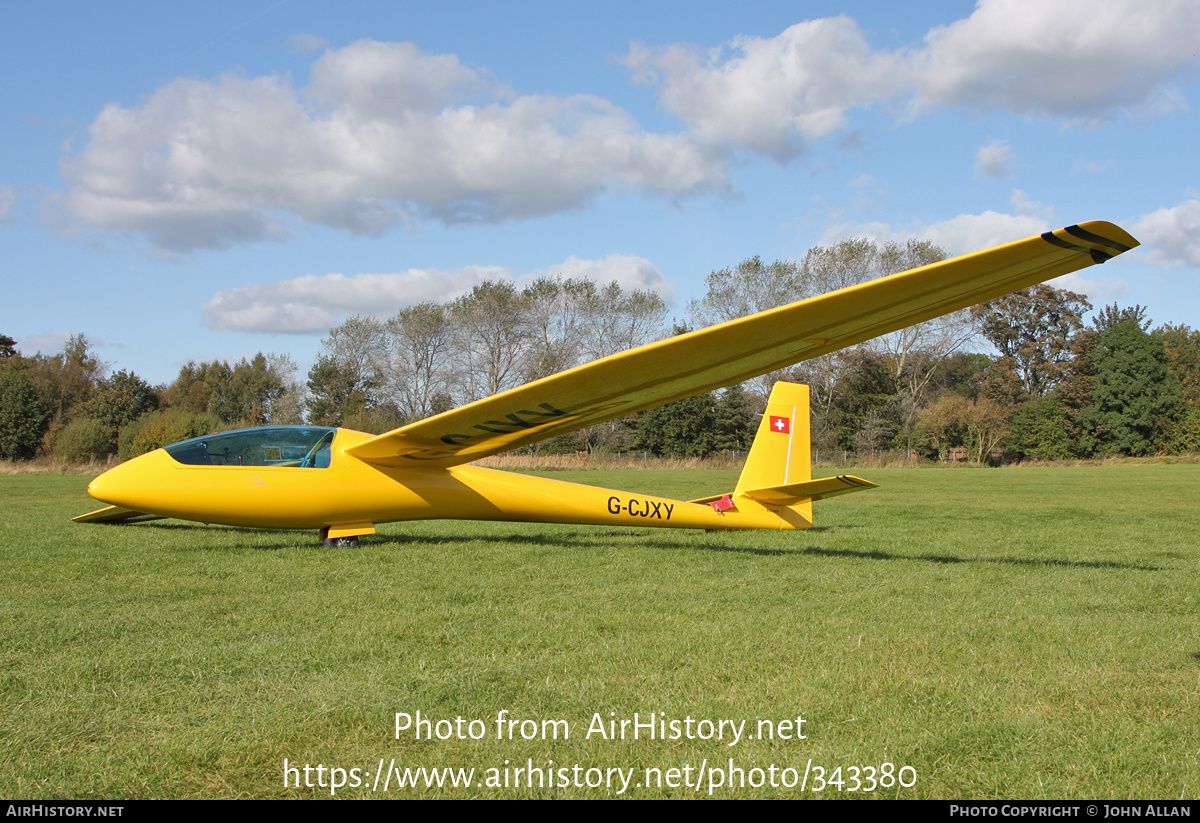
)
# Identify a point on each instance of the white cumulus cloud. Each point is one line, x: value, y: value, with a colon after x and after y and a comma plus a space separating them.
x: 1098, y: 290
x: 1073, y: 59
x: 771, y: 94
x: 386, y: 135
x: 50, y: 341
x: 383, y: 135
x: 315, y: 303
x: 312, y: 304
x: 961, y: 234
x: 1172, y: 235
x: 1070, y: 58
x: 993, y: 159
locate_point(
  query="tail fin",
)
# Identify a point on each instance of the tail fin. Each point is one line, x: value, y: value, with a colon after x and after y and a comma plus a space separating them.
x: 778, y: 470
x: 779, y: 455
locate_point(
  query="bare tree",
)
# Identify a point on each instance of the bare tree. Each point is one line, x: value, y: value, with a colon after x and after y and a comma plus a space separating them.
x: 824, y: 269
x: 420, y: 339
x: 288, y: 407
x: 559, y: 311
x: 748, y: 288
x: 491, y: 335
x: 620, y: 320
x: 915, y: 353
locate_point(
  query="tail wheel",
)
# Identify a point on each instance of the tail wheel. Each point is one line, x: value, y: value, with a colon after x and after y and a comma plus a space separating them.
x: 341, y: 542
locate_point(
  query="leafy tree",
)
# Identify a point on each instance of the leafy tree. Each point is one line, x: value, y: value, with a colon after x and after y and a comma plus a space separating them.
x: 1185, y: 435
x: 377, y: 420
x: 251, y: 392
x: 337, y: 391
x: 63, y: 383
x: 987, y: 424
x: 1110, y: 316
x: 1136, y: 400
x: 255, y: 387
x: 1182, y: 345
x: 999, y: 381
x: 558, y: 312
x: 619, y: 320
x: 349, y: 374
x: 1033, y: 331
x: 866, y: 398
x: 116, y: 402
x: 360, y: 344
x: 164, y: 427
x: 1039, y: 429
x: 287, y: 407
x: 978, y: 424
x: 430, y: 356
x: 69, y: 376
x: 121, y: 398
x: 962, y: 372
x: 685, y: 428
x: 734, y: 420
x: 940, y: 427
x: 24, y: 418
x: 846, y: 263
x: 202, y: 388
x: 8, y: 347
x: 83, y: 439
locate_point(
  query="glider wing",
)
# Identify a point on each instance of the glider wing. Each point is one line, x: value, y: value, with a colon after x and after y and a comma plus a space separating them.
x: 114, y: 514
x: 721, y: 355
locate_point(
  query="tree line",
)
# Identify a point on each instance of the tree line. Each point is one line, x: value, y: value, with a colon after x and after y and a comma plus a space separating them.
x: 1053, y: 387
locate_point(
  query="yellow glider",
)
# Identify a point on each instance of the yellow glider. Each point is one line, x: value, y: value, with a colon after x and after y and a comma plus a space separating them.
x: 343, y: 482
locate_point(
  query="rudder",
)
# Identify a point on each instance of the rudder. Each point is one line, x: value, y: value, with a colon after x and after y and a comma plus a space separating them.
x: 780, y: 454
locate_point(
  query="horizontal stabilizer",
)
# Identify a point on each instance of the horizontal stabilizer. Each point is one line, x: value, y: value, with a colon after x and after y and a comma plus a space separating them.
x: 795, y: 492
x: 115, y: 514
x: 818, y: 489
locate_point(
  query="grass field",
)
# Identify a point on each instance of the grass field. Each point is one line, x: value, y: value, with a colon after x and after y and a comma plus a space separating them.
x: 1003, y: 633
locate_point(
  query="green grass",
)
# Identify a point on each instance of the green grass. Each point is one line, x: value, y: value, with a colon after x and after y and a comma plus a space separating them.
x: 1015, y: 633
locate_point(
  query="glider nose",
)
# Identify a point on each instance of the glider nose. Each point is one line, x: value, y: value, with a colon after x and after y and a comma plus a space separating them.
x: 122, y: 485
x: 112, y: 486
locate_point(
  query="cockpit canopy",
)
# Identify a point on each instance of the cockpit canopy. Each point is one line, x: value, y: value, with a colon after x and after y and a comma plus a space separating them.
x: 295, y: 446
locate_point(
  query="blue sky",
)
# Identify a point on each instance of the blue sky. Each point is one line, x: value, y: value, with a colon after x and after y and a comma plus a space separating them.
x: 209, y: 180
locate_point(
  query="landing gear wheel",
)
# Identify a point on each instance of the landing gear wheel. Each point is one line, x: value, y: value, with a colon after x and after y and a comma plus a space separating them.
x: 341, y: 542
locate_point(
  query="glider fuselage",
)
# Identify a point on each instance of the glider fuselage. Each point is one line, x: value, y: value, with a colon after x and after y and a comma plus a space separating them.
x: 349, y: 495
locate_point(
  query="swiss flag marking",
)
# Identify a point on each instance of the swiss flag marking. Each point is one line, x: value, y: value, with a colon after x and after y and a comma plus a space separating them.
x: 780, y: 424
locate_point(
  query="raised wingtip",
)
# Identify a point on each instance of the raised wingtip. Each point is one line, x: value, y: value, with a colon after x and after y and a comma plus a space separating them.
x: 1100, y: 240
x: 1110, y: 231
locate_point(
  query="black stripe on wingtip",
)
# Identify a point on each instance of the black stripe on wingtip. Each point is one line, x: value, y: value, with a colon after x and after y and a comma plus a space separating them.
x: 1097, y: 255
x: 1084, y: 234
